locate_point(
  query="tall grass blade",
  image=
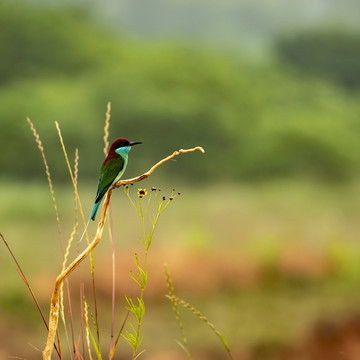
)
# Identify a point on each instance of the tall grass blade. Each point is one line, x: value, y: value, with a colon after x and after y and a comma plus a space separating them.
x: 21, y: 273
x: 119, y: 335
x: 113, y: 287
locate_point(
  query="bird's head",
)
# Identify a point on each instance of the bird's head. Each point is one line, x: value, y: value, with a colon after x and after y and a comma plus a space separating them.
x: 122, y: 146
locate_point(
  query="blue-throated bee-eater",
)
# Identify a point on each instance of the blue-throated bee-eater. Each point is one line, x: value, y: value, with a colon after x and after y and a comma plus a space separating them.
x: 112, y: 169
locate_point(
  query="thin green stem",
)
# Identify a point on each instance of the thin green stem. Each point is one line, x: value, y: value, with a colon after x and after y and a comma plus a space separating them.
x: 134, y: 337
x: 127, y: 193
x: 142, y: 217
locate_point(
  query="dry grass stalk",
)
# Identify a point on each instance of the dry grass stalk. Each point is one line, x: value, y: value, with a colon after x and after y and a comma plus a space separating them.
x: 87, y: 331
x: 175, y: 299
x: 41, y: 148
x: 71, y: 175
x: 63, y: 268
x: 54, y: 305
x: 170, y: 287
x: 106, y: 128
x: 76, y: 171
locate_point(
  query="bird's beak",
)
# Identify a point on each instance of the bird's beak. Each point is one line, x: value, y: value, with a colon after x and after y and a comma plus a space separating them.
x: 135, y: 143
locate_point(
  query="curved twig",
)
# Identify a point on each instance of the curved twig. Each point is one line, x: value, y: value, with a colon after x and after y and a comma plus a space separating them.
x: 54, y: 304
x: 148, y: 173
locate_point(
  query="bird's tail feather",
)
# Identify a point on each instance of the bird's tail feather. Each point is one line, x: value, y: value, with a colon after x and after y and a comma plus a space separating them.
x: 94, y: 210
x: 84, y: 230
x: 92, y: 217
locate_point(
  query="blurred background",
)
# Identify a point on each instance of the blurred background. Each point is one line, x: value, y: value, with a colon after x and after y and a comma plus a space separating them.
x: 264, y: 238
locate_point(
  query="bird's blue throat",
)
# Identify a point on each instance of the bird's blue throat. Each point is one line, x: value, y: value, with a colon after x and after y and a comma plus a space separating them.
x: 124, y: 150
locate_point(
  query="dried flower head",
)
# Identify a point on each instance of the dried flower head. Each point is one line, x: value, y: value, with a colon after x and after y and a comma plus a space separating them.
x: 141, y: 193
x: 153, y: 188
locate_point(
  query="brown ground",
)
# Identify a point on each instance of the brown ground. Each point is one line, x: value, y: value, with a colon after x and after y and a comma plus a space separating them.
x: 330, y: 339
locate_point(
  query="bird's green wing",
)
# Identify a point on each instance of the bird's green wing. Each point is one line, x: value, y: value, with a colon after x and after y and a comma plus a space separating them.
x: 108, y: 174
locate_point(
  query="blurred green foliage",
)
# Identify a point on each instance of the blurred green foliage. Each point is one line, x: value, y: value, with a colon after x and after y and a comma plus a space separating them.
x: 35, y: 43
x: 254, y: 121
x: 333, y: 54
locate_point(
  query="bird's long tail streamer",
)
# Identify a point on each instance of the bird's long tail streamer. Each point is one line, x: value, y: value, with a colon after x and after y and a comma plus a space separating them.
x: 84, y: 230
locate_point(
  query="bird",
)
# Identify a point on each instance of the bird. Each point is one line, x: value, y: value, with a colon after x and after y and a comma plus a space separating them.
x: 111, y: 171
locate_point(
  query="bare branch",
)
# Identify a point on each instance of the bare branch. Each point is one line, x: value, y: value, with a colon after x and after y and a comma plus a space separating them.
x: 148, y: 173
